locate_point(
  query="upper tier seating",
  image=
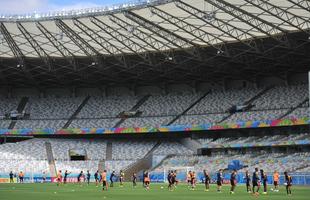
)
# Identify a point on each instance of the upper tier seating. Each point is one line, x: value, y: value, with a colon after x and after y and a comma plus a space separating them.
x: 94, y: 123
x: 281, y: 97
x: 146, y: 121
x: 199, y: 119
x: 157, y: 110
x: 221, y: 101
x: 171, y: 104
x: 299, y: 112
x: 7, y: 105
x: 256, y: 115
x: 40, y: 124
x: 100, y: 107
x: 52, y: 108
x: 4, y: 124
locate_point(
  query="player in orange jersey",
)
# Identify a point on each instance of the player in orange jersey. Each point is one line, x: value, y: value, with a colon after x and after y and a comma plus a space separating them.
x: 21, y: 177
x: 147, y: 180
x: 104, y: 180
x: 59, y: 178
x: 276, y: 178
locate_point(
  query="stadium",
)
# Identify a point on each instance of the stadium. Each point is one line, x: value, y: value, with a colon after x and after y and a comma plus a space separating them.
x: 155, y: 89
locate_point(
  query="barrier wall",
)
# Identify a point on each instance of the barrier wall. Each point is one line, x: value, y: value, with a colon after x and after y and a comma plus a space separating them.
x: 160, y: 129
x: 298, y: 178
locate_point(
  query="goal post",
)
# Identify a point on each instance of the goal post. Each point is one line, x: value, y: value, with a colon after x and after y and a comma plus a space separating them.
x: 181, y: 172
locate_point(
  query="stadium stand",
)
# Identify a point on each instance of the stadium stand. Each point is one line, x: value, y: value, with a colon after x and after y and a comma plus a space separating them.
x: 7, y: 105
x: 40, y: 124
x: 254, y: 139
x: 28, y: 156
x: 221, y: 101
x: 52, y: 108
x: 282, y: 97
x: 76, y: 167
x: 256, y: 115
x: 200, y: 119
x: 91, y: 123
x: 94, y: 150
x: 117, y: 165
x: 28, y: 166
x: 103, y: 112
x: 274, y: 161
x: 4, y: 124
x: 146, y: 121
x: 99, y: 107
x: 130, y: 150
x: 33, y: 149
x: 175, y: 148
x: 170, y: 104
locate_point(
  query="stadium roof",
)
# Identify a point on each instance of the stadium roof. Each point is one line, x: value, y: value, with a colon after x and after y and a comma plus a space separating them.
x: 155, y: 41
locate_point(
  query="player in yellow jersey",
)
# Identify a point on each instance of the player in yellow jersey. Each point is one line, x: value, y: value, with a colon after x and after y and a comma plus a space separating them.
x: 121, y: 178
x: 193, y: 180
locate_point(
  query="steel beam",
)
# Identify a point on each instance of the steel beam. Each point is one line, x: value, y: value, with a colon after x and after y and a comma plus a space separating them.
x: 69, y: 56
x: 268, y: 28
x: 172, y: 38
x: 132, y: 46
x: 77, y: 39
x: 293, y: 20
x: 151, y: 41
x: 197, y: 33
x: 303, y: 4
x: 12, y: 44
x: 113, y: 50
x: 242, y: 36
x: 36, y: 46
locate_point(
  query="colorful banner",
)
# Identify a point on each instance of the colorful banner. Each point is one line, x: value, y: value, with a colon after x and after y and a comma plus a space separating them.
x: 160, y: 129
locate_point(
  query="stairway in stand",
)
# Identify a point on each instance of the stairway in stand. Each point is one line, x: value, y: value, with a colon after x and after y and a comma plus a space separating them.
x: 50, y: 159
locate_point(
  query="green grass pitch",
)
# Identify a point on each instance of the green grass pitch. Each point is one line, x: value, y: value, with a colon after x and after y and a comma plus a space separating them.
x: 50, y: 191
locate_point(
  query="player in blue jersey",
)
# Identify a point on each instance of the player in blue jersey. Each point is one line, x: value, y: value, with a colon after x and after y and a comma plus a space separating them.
x: 255, y: 182
x: 233, y: 181
x: 247, y: 179
x: 264, y: 180
x: 288, y: 183
x: 219, y: 180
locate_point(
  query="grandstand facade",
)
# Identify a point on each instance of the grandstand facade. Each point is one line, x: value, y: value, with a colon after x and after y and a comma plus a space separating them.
x: 204, y: 82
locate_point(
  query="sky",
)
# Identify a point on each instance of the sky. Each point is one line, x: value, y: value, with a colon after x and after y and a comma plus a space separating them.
x: 31, y: 6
